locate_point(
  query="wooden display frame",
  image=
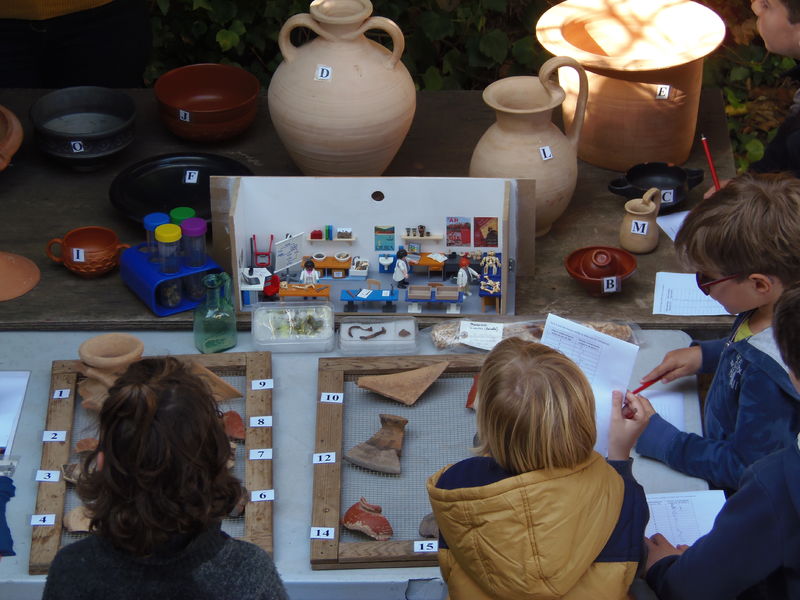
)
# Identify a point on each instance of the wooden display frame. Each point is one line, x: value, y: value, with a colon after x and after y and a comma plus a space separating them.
x: 51, y: 496
x: 326, y: 507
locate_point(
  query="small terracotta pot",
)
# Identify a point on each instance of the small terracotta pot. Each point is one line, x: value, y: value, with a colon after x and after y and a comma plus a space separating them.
x: 113, y: 351
x: 600, y: 270
x: 87, y: 251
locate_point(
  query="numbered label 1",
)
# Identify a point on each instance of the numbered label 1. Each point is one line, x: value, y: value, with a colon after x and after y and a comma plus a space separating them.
x: 48, y: 476
x: 332, y: 397
x: 261, y: 454
x: 78, y: 255
x: 39, y: 520
x: 261, y: 384
x: 426, y: 546
x: 262, y: 495
x: 323, y: 533
x: 323, y: 458
x: 263, y: 421
x: 54, y: 436
x: 61, y: 394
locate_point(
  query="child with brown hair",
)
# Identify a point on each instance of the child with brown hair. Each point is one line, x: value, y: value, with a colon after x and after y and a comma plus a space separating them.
x: 539, y: 513
x: 742, y: 242
x: 157, y: 487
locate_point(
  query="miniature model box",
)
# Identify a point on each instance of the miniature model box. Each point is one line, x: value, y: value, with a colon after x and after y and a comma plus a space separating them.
x: 378, y: 213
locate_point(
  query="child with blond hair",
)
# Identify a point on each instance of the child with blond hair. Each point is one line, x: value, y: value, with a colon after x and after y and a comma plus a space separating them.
x: 538, y: 513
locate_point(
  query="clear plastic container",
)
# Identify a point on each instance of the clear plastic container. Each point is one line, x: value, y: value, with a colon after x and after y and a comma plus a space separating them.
x: 193, y: 240
x: 294, y: 327
x: 168, y: 238
x: 150, y: 223
x: 180, y: 213
x: 368, y: 336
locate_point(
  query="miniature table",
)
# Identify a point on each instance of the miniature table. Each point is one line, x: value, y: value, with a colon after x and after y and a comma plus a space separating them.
x: 431, y: 264
x: 367, y: 295
x: 301, y: 290
x: 453, y: 304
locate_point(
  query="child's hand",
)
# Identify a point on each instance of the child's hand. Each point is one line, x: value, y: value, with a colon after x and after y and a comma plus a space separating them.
x: 677, y: 363
x: 659, y: 547
x: 627, y: 423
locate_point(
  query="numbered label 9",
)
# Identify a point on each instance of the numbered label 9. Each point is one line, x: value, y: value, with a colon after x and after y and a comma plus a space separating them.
x: 261, y: 384
x: 426, y: 546
x: 332, y: 397
x: 323, y: 458
x: 323, y: 533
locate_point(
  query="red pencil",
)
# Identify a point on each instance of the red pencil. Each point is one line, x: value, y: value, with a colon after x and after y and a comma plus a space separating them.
x: 645, y: 385
x: 710, y: 163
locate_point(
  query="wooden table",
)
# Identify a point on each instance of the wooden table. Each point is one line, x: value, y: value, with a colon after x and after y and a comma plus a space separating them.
x: 301, y: 290
x: 40, y: 200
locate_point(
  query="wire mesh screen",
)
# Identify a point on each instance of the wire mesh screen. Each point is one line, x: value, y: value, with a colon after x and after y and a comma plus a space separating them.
x: 439, y: 431
x: 85, y: 425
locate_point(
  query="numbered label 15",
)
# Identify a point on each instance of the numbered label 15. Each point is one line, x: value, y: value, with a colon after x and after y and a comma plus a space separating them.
x: 426, y: 546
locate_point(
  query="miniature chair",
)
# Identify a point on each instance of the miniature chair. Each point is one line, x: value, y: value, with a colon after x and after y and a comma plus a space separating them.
x: 373, y: 284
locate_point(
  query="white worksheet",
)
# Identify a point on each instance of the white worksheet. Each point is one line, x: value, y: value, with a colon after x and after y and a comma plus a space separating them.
x: 683, y: 517
x: 672, y: 223
x: 12, y: 393
x: 606, y: 361
x: 678, y: 294
x: 669, y: 405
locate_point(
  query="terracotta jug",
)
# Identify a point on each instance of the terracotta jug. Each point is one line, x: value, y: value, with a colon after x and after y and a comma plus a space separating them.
x: 524, y: 143
x: 341, y: 103
x: 639, y: 230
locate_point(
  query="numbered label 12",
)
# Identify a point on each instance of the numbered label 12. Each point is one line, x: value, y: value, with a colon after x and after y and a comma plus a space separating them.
x: 323, y: 458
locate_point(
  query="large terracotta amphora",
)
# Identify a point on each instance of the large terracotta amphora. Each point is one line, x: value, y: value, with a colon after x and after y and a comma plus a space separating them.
x: 341, y: 103
x: 524, y: 143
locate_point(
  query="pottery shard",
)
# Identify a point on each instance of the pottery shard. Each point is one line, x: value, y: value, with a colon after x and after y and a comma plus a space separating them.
x: 234, y: 426
x: 71, y: 472
x: 86, y: 445
x: 78, y: 520
x: 428, y: 527
x: 367, y: 518
x: 93, y: 394
x: 381, y: 452
x: 221, y: 390
x: 406, y: 386
x: 232, y: 459
x: 473, y: 392
x: 238, y: 510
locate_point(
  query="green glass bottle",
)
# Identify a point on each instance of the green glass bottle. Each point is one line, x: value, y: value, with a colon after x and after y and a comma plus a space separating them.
x: 215, y: 317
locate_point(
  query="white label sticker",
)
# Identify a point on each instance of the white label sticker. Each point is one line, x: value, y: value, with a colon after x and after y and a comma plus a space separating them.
x: 639, y: 227
x: 667, y: 196
x: 50, y: 476
x: 662, y: 92
x: 61, y: 394
x: 323, y: 458
x: 184, y: 115
x: 54, y: 436
x: 263, y: 421
x: 385, y: 293
x: 545, y: 152
x: 426, y: 546
x: 39, y: 520
x: 332, y: 397
x: 323, y: 73
x: 191, y: 176
x: 262, y: 495
x: 323, y: 533
x: 77, y: 146
x: 261, y: 454
x: 364, y: 293
x: 78, y: 255
x: 610, y: 285
x: 261, y: 384
x: 480, y: 334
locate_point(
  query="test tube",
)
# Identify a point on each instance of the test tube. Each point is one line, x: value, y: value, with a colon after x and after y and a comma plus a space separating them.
x: 150, y: 222
x: 168, y: 238
x: 180, y: 213
x: 194, y: 241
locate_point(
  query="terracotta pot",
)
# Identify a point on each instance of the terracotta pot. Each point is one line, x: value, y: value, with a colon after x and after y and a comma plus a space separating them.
x: 600, y: 270
x: 524, y: 143
x: 638, y: 232
x: 10, y: 136
x: 87, y: 251
x: 643, y: 60
x: 341, y: 104
x: 105, y: 357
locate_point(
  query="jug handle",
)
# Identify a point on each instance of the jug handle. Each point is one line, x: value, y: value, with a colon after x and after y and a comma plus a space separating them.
x: 50, y: 244
x: 621, y: 186
x: 390, y: 27
x: 289, y: 50
x: 583, y: 92
x: 648, y: 197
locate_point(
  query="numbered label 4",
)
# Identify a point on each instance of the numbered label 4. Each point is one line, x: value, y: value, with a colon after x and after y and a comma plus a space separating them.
x: 262, y: 495
x: 261, y: 454
x: 323, y: 458
x: 61, y: 394
x: 54, y: 436
x: 262, y: 421
x: 332, y: 397
x: 426, y: 546
x: 261, y: 384
x: 39, y: 520
x: 48, y: 476
x: 323, y: 533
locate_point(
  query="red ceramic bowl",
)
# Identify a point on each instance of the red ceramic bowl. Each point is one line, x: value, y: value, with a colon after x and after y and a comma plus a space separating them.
x: 593, y: 265
x: 10, y: 136
x: 207, y: 102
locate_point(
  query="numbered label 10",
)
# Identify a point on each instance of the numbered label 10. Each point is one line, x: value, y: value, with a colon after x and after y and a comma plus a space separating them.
x: 332, y: 397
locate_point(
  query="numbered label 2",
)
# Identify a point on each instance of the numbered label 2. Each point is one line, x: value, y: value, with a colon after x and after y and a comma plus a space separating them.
x: 323, y: 533
x: 426, y: 546
x: 332, y: 397
x: 54, y: 436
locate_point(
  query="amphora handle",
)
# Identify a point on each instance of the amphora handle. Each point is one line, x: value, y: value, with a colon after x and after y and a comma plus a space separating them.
x: 583, y: 91
x: 390, y: 27
x: 288, y: 49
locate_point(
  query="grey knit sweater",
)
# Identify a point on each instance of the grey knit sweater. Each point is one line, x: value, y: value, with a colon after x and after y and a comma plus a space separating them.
x: 211, y: 566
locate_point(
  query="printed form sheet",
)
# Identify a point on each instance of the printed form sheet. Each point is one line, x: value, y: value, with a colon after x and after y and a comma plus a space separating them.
x: 606, y: 361
x: 683, y: 517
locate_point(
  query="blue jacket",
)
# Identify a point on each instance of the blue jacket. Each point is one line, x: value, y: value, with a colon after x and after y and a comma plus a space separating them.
x: 752, y: 410
x: 755, y: 540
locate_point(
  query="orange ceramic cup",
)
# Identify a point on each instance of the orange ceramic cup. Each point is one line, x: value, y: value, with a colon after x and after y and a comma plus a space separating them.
x: 87, y: 251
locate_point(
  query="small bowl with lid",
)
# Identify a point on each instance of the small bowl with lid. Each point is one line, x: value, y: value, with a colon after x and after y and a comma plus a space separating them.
x: 600, y: 270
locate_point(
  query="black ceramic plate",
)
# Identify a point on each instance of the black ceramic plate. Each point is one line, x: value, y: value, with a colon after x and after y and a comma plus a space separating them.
x: 161, y: 183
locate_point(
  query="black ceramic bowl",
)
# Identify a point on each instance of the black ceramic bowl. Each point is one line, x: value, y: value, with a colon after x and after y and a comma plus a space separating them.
x: 83, y: 126
x: 674, y: 183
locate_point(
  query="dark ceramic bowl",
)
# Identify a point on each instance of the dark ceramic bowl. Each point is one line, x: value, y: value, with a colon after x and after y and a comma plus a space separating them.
x: 83, y: 126
x: 10, y: 136
x: 674, y: 183
x: 600, y: 269
x: 207, y: 102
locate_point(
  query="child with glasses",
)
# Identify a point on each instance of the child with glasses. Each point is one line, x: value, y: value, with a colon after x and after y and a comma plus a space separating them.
x: 743, y: 244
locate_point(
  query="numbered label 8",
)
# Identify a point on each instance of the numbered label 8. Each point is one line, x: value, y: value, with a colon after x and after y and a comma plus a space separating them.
x: 262, y: 421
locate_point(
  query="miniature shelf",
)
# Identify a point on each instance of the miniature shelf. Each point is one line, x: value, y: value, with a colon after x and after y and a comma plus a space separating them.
x: 349, y: 240
x: 421, y: 238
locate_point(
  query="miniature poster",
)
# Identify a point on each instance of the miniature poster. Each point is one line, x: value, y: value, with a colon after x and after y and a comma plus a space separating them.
x: 384, y: 238
x: 485, y: 232
x: 459, y: 231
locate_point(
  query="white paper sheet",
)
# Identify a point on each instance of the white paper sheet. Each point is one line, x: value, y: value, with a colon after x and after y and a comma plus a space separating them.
x: 678, y: 294
x: 672, y: 222
x: 606, y: 361
x: 683, y: 517
x: 12, y: 394
x: 669, y: 405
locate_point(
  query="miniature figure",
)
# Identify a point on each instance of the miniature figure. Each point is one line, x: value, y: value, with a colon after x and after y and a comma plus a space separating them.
x: 490, y: 263
x: 465, y: 275
x: 309, y: 274
x: 400, y: 274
